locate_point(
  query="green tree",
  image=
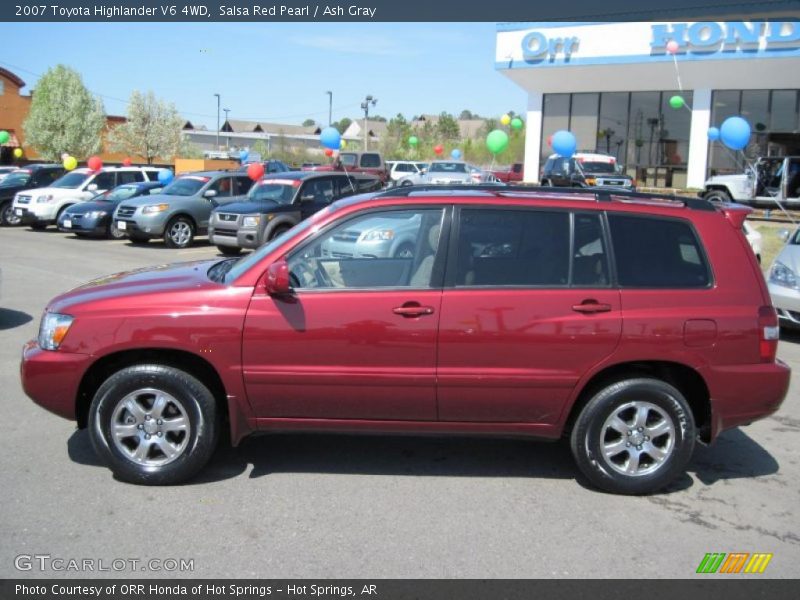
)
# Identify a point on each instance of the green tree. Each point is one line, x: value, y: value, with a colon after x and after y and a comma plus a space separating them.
x: 260, y: 147
x: 342, y: 124
x: 309, y: 123
x: 64, y: 116
x: 153, y: 129
x: 447, y: 127
x: 467, y: 115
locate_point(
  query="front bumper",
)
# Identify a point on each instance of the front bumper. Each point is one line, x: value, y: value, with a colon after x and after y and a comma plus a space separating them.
x: 29, y: 217
x: 51, y: 378
x: 787, y: 303
x: 151, y: 226
x: 233, y: 237
x: 80, y: 224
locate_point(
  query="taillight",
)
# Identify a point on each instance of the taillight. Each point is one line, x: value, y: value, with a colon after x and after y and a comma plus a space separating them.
x: 768, y: 333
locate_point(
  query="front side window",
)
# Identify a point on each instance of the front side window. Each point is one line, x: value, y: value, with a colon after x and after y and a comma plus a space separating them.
x: 348, y: 160
x: 386, y: 249
x: 657, y: 253
x: 222, y: 186
x: 130, y: 177
x: 105, y: 181
x: 318, y: 191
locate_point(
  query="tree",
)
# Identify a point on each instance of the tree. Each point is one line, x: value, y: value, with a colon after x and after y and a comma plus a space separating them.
x: 378, y: 118
x: 153, y: 129
x: 260, y: 147
x: 64, y: 116
x: 447, y: 127
x: 342, y: 124
x: 467, y: 115
x: 309, y: 123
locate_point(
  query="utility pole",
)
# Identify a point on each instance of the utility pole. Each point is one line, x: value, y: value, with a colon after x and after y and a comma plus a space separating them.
x: 218, y: 100
x: 365, y: 105
x: 330, y: 107
x: 228, y: 138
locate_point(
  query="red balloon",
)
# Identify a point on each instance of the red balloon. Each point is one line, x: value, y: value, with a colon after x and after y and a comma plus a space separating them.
x: 255, y: 171
x: 550, y: 140
x: 438, y: 149
x: 126, y: 162
x: 95, y: 164
x: 328, y: 152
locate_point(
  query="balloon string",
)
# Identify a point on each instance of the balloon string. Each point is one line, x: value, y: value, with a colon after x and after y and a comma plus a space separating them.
x: 677, y: 72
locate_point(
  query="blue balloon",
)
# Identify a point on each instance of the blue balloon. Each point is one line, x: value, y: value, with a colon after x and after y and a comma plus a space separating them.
x: 564, y: 143
x: 735, y: 133
x: 456, y: 153
x: 330, y: 138
x: 243, y: 155
x: 713, y: 133
x: 165, y: 176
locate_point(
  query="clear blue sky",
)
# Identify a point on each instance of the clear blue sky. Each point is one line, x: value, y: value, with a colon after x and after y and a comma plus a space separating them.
x: 276, y: 72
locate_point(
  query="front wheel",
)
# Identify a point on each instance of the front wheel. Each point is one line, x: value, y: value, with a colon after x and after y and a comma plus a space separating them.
x: 717, y: 196
x: 634, y: 437
x: 8, y: 218
x: 113, y: 233
x: 153, y: 424
x: 179, y: 233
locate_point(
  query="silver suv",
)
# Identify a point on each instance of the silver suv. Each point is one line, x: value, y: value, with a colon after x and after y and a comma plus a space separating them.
x: 182, y: 210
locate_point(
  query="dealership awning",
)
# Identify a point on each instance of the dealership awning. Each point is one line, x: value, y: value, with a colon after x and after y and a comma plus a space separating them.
x: 12, y: 142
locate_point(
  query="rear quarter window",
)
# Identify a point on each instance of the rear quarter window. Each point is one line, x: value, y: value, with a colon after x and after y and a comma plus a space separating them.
x: 653, y: 252
x: 370, y: 161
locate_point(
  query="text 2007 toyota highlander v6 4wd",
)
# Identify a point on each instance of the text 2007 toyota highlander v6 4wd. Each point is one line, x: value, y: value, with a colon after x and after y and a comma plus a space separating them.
x: 631, y: 324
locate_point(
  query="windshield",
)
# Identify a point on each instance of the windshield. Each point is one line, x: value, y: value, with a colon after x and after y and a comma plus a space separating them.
x: 598, y: 166
x: 281, y: 191
x: 117, y: 194
x: 17, y: 178
x: 448, y: 167
x: 185, y: 186
x: 244, y: 263
x: 70, y: 180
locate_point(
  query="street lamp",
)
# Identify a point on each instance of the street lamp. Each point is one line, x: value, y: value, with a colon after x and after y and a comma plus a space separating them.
x: 218, y: 99
x: 228, y: 138
x: 330, y: 107
x: 365, y: 105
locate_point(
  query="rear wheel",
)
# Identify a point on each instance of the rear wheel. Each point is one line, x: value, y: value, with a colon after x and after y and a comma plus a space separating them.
x: 179, y: 233
x: 229, y: 250
x: 717, y: 196
x: 634, y: 437
x: 7, y: 216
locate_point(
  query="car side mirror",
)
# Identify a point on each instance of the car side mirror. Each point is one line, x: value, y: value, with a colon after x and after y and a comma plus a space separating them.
x: 92, y: 187
x: 277, y: 280
x: 784, y: 235
x: 209, y: 193
x: 423, y: 171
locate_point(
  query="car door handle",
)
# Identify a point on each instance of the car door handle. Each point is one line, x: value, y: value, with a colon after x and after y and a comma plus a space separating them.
x: 591, y: 306
x: 412, y: 310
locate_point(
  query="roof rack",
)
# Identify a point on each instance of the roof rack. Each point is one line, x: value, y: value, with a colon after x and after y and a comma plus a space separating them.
x: 601, y: 194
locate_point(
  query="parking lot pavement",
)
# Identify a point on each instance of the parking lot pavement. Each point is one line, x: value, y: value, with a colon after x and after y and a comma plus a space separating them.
x: 340, y: 506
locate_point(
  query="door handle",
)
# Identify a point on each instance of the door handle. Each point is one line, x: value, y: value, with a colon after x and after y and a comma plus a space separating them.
x: 591, y: 306
x: 412, y: 310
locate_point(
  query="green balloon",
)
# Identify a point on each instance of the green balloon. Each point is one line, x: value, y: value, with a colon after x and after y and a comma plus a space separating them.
x: 4, y: 137
x: 497, y: 141
x: 516, y: 123
x: 413, y: 141
x: 677, y: 102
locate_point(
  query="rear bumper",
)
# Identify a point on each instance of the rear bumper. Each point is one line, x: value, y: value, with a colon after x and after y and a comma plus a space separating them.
x: 742, y: 394
x: 51, y: 379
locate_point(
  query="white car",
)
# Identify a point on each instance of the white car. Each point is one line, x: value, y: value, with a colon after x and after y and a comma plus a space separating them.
x: 403, y: 168
x: 784, y: 281
x: 753, y: 238
x: 41, y: 207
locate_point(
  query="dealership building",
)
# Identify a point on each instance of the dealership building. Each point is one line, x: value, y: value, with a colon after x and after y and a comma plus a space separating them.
x: 610, y: 84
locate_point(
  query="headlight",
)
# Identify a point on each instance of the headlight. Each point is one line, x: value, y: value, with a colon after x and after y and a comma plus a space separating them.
x: 378, y: 235
x: 43, y: 199
x: 96, y: 214
x: 251, y: 221
x: 782, y: 275
x: 53, y: 329
x: 154, y: 208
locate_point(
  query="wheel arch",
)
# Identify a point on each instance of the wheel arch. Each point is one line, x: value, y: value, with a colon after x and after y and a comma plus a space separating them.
x: 182, y: 213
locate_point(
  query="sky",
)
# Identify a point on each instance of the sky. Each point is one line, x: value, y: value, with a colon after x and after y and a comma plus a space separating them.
x: 274, y: 72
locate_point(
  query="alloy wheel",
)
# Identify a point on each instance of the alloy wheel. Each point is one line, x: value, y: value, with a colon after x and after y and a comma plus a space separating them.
x: 638, y: 438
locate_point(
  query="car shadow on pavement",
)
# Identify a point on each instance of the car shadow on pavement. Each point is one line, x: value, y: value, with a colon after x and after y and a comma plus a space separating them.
x: 734, y: 455
x: 790, y: 335
x: 9, y: 319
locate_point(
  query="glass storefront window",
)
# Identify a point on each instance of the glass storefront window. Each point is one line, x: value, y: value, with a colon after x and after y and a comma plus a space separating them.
x: 783, y: 111
x: 555, y: 116
x: 583, y: 120
x: 645, y: 122
x: 612, y: 128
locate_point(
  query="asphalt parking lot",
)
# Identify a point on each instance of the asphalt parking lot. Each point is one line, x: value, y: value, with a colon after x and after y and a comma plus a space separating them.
x: 295, y: 506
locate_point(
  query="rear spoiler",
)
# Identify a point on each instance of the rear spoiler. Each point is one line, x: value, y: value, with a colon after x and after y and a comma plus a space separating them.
x: 735, y: 213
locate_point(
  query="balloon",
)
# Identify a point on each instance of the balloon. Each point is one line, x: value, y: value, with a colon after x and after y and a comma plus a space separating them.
x: 672, y: 47
x: 456, y: 153
x: 564, y: 143
x: 17, y: 152
x: 330, y: 138
x: 255, y: 171
x: 94, y: 163
x: 676, y: 102
x: 328, y: 152
x: 413, y: 141
x: 550, y: 140
x: 713, y: 133
x: 243, y: 155
x: 165, y: 176
x: 343, y: 144
x: 4, y: 136
x: 70, y: 162
x: 505, y: 119
x: 127, y: 162
x: 735, y: 133
x: 438, y: 149
x: 497, y: 141
x: 516, y: 123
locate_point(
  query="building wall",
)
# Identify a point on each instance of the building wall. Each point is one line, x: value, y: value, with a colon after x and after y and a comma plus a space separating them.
x: 14, y: 108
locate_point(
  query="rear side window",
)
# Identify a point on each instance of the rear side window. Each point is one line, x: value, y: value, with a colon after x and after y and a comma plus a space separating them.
x: 242, y: 185
x: 130, y: 177
x: 370, y: 160
x: 657, y: 253
x: 105, y: 180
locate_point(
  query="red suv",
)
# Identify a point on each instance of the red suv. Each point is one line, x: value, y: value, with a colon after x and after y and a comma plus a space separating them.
x: 632, y: 325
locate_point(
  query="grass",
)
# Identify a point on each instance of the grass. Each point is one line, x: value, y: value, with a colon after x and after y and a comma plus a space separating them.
x: 771, y: 243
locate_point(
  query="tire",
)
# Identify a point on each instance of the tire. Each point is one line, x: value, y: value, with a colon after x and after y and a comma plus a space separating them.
x: 113, y: 233
x: 7, y: 216
x: 138, y: 238
x: 717, y: 196
x: 406, y: 183
x: 612, y: 429
x: 229, y: 250
x: 278, y: 231
x: 179, y: 233
x: 547, y: 183
x: 404, y: 250
x: 145, y: 448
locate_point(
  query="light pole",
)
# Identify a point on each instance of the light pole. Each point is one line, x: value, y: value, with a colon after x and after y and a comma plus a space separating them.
x: 227, y: 138
x: 330, y: 107
x: 365, y: 105
x: 218, y: 99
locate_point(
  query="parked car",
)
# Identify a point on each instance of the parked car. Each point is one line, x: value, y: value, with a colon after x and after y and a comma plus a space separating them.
x: 6, y: 171
x: 182, y: 210
x: 43, y: 206
x: 402, y: 168
x: 440, y: 172
x: 26, y: 178
x: 270, y: 166
x: 753, y: 238
x: 585, y: 170
x: 613, y: 323
x: 513, y: 174
x: 769, y: 179
x: 276, y: 203
x: 784, y: 280
x: 94, y: 217
x: 359, y: 162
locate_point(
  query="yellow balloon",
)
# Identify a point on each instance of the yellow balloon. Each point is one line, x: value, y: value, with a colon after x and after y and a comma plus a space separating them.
x: 343, y: 144
x: 505, y: 119
x: 70, y: 163
x: 17, y: 152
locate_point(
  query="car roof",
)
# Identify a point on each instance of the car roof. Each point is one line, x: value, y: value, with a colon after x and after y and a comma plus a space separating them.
x: 302, y: 175
x: 589, y: 155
